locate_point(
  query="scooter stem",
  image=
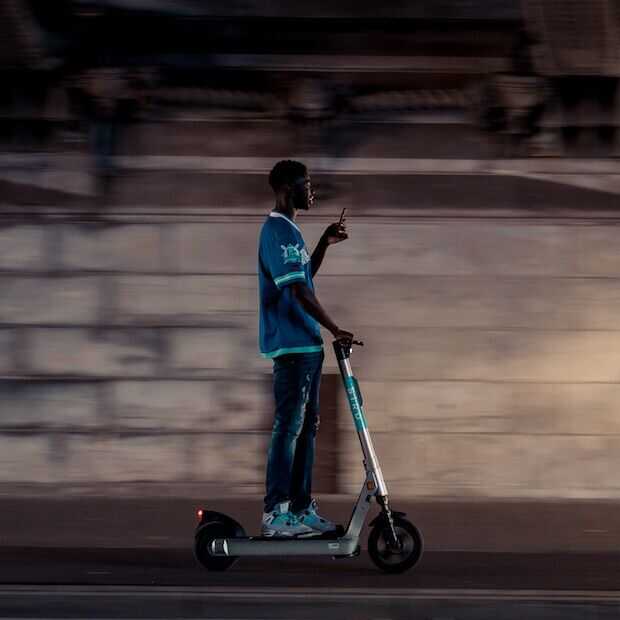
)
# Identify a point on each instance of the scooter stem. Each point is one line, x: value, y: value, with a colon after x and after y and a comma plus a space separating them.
x: 342, y: 349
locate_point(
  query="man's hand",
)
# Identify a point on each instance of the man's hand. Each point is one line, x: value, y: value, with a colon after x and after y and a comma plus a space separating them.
x: 335, y: 232
x: 342, y: 334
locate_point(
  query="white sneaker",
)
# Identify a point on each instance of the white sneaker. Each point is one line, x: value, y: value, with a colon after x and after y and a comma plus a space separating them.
x: 282, y: 523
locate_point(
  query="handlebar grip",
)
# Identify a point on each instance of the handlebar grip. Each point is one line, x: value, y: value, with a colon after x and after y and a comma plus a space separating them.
x: 344, y: 346
x: 360, y: 343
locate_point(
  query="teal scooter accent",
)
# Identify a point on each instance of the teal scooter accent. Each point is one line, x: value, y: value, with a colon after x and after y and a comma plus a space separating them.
x: 355, y: 402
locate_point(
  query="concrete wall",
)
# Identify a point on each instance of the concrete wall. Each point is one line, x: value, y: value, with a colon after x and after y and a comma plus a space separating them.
x: 128, y: 353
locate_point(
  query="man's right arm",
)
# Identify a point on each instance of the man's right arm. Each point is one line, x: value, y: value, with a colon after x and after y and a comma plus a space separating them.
x: 304, y: 295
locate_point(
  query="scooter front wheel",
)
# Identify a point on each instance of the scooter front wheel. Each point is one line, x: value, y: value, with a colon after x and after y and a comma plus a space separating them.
x: 392, y: 560
x: 205, y: 534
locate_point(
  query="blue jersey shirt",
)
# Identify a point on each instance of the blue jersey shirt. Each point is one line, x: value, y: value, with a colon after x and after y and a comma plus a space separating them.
x: 285, y: 327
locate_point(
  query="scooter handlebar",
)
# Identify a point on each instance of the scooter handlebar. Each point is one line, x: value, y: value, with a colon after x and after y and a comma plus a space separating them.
x: 344, y: 346
x: 359, y: 343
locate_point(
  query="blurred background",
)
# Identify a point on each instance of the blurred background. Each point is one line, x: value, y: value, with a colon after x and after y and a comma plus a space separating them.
x: 474, y: 144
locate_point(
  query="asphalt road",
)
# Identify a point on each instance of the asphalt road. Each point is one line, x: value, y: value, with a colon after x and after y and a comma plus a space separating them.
x: 305, y: 604
x: 154, y: 583
x: 177, y: 567
x: 87, y: 558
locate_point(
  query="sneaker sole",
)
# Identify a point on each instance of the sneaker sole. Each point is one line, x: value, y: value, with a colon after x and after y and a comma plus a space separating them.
x: 275, y: 534
x: 325, y: 531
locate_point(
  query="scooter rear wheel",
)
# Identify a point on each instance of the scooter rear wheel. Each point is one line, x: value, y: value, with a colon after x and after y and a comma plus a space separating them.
x: 391, y: 560
x: 206, y: 533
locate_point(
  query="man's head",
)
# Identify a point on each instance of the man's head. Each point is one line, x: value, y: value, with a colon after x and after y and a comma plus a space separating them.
x: 290, y: 182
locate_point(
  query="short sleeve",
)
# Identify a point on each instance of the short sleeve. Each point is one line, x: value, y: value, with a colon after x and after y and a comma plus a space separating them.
x: 283, y: 254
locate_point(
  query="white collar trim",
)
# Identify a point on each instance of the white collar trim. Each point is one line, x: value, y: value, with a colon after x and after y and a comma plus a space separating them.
x: 276, y: 214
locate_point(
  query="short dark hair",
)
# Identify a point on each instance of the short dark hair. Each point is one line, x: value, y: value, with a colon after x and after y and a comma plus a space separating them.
x: 286, y: 172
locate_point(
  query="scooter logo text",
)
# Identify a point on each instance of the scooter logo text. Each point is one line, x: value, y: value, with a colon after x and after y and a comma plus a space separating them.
x: 358, y: 415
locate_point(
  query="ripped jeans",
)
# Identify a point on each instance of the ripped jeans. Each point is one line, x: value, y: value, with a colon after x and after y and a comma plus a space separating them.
x: 296, y: 383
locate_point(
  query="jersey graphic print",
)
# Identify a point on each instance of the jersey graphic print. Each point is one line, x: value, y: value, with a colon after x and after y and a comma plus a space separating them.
x: 292, y: 254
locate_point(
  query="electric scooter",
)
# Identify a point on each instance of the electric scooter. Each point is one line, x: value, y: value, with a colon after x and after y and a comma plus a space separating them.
x: 394, y: 544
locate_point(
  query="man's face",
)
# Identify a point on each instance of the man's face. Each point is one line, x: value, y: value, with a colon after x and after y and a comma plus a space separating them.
x: 303, y: 194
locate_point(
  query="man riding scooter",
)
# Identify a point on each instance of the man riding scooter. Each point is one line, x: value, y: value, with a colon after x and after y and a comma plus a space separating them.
x: 289, y: 334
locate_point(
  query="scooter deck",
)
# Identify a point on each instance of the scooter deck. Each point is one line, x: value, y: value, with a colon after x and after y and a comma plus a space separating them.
x: 264, y: 546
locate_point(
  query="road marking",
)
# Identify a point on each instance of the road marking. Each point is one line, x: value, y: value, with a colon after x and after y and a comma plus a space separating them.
x: 316, y: 593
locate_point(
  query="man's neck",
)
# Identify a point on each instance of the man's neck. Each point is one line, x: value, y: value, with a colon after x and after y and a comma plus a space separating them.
x: 289, y: 212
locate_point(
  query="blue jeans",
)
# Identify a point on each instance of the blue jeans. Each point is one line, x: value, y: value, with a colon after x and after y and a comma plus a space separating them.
x: 296, y: 383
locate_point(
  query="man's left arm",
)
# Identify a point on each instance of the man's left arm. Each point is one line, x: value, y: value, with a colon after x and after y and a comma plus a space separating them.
x: 334, y: 233
x: 318, y: 255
